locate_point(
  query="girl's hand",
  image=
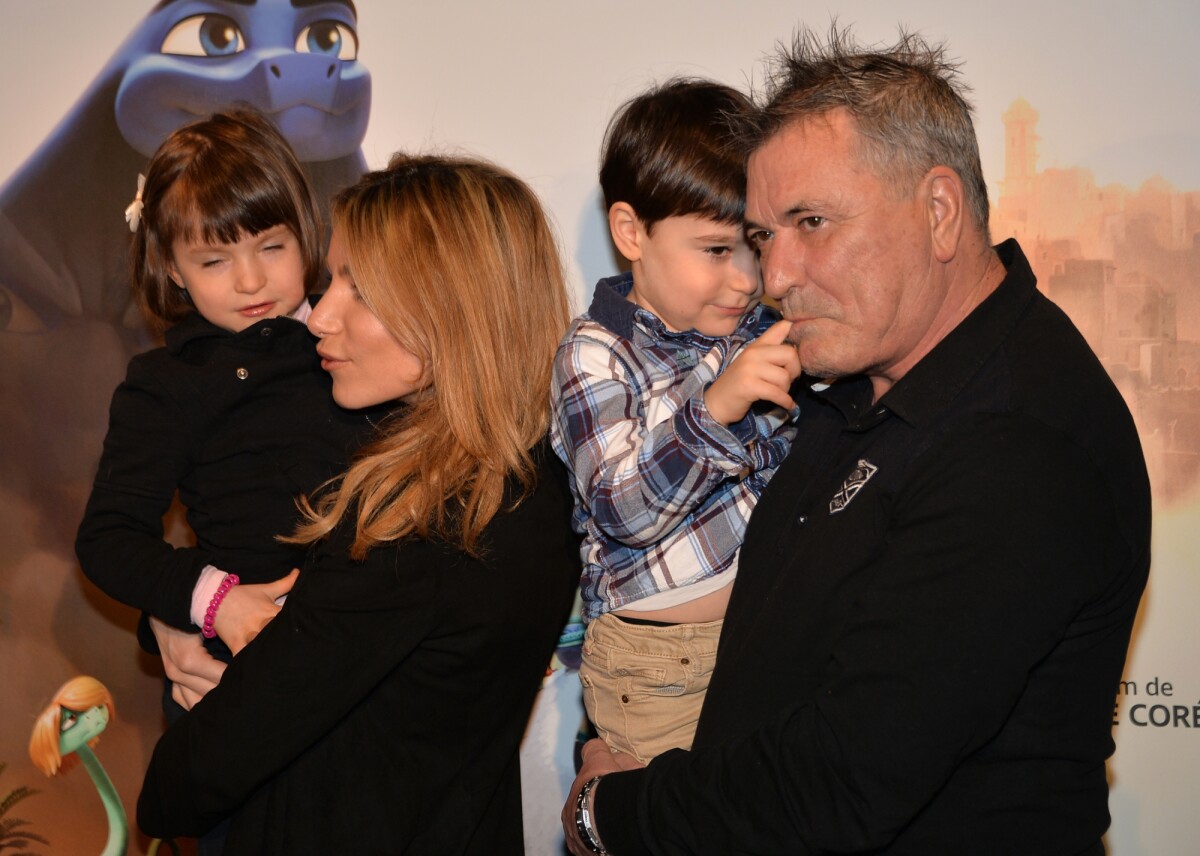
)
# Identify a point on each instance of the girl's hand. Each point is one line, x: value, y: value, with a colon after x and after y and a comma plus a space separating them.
x: 190, y: 668
x: 763, y: 371
x: 247, y: 609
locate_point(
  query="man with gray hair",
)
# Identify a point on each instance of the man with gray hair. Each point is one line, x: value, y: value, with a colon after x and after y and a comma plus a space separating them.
x: 922, y: 649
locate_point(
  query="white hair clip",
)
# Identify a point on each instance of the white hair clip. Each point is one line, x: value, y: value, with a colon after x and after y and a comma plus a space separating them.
x: 133, y: 214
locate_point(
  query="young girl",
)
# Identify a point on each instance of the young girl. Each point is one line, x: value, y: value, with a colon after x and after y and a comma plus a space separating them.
x: 382, y: 710
x: 235, y: 411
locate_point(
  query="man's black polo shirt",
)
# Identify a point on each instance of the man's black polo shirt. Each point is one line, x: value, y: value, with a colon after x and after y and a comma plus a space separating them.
x: 931, y: 615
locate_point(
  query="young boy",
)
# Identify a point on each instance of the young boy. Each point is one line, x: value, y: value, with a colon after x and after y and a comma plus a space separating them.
x: 672, y: 412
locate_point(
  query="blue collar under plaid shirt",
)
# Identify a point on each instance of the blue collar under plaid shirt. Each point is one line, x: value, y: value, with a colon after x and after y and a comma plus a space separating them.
x: 662, y: 491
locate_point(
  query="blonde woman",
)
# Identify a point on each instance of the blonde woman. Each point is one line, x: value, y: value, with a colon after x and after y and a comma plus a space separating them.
x: 381, y: 711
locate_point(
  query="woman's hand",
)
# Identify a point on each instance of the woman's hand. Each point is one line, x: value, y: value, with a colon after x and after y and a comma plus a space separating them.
x: 190, y: 668
x: 247, y: 609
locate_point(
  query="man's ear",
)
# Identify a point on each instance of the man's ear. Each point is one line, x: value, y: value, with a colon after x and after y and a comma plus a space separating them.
x: 947, y: 211
x: 626, y: 230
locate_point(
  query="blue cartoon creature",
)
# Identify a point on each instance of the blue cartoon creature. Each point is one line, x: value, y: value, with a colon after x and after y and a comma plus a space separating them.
x: 300, y: 68
x: 67, y: 320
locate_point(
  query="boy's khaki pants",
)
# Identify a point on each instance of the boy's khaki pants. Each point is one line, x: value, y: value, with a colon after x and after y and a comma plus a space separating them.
x: 643, y: 685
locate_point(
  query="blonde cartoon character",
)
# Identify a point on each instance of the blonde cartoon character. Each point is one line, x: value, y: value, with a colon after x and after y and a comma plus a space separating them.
x: 71, y: 726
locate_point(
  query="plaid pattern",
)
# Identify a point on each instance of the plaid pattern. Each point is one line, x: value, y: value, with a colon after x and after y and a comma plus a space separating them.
x: 662, y: 491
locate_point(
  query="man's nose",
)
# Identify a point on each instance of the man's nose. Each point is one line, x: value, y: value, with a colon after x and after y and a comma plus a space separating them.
x: 782, y: 268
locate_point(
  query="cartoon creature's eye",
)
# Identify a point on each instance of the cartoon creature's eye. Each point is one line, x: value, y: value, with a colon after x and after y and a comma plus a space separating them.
x: 69, y: 718
x: 204, y: 35
x: 331, y: 38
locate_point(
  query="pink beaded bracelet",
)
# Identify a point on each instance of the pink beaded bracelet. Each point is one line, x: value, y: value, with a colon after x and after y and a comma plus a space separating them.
x: 210, y: 614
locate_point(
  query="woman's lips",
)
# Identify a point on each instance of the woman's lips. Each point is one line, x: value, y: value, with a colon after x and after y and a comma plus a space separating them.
x: 328, y: 362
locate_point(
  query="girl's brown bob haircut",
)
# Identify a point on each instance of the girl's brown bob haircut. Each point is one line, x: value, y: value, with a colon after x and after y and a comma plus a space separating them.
x: 219, y: 180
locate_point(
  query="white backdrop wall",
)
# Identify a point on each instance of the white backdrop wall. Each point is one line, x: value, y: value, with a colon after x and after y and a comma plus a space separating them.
x: 531, y: 85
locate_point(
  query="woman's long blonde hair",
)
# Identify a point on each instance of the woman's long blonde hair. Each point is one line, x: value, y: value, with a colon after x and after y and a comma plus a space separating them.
x: 78, y: 694
x: 456, y: 259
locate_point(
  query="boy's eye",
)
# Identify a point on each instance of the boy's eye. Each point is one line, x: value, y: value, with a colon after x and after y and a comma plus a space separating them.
x: 719, y: 251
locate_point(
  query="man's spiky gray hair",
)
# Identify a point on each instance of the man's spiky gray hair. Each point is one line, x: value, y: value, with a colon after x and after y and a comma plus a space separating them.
x: 908, y: 102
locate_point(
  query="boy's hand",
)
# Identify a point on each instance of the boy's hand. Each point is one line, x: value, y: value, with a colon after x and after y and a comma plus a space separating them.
x: 763, y: 371
x: 247, y: 609
x: 188, y: 665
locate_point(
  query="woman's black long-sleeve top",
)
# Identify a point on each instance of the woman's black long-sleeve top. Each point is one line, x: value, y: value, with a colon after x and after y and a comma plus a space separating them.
x: 382, y: 710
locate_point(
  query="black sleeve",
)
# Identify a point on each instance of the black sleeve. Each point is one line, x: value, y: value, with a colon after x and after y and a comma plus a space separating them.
x: 342, y: 630
x: 120, y: 544
x: 997, y: 543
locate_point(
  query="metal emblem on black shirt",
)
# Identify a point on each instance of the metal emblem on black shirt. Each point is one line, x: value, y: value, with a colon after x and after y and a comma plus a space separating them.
x: 862, y: 473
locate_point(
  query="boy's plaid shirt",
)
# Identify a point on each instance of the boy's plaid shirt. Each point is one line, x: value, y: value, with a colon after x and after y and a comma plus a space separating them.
x: 662, y: 491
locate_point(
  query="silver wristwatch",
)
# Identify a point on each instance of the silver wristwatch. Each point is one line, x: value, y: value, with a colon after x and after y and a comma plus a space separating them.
x: 584, y: 820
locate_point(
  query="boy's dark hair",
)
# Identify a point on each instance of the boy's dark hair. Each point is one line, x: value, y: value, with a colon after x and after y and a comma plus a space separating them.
x: 218, y: 180
x: 671, y: 151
